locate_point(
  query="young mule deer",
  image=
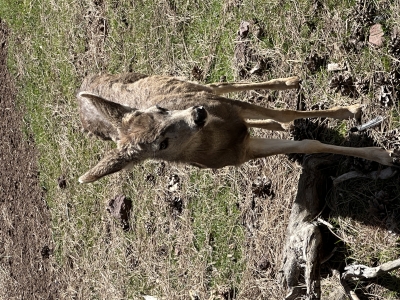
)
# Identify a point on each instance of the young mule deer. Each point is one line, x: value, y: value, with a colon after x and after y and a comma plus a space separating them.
x: 162, y: 117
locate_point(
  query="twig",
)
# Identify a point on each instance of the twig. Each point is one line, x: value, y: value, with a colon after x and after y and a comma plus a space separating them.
x: 330, y: 228
x: 349, y: 292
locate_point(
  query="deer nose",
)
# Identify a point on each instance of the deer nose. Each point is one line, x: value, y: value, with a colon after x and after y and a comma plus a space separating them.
x: 199, y: 115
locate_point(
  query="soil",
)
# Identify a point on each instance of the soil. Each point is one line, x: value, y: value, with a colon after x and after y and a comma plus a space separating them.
x: 25, y: 236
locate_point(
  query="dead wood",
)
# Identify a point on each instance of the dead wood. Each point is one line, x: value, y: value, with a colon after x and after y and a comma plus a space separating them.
x: 303, y: 248
x: 363, y: 272
x: 386, y: 173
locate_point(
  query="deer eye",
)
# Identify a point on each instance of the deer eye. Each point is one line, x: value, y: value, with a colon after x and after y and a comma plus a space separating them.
x: 164, y: 144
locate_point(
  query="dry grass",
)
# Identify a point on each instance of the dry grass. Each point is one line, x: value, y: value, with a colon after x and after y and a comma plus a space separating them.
x: 226, y: 242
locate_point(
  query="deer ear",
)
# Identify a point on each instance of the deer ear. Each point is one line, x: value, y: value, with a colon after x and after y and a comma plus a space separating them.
x: 114, y: 161
x: 114, y: 112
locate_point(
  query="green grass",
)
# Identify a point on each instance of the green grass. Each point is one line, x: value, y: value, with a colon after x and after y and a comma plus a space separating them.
x: 206, y: 247
x: 217, y: 234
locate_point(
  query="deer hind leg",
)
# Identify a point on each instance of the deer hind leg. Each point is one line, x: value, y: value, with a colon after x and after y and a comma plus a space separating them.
x: 267, y: 124
x: 251, y: 111
x: 258, y: 147
x: 274, y: 84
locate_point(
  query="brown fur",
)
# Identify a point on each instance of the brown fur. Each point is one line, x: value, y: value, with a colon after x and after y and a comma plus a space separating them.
x: 162, y: 117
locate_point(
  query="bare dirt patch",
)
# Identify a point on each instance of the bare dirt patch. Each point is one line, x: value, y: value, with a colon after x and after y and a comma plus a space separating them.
x: 25, y: 237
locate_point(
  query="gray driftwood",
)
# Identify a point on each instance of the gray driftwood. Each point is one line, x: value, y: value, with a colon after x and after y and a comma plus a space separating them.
x: 302, y: 251
x: 303, y: 254
x: 363, y: 272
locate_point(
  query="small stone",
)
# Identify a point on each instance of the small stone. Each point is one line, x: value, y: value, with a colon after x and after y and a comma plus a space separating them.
x: 336, y: 67
x: 120, y: 208
x: 376, y: 35
x: 244, y: 29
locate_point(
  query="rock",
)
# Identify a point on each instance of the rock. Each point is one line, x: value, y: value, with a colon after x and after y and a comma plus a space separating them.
x: 120, y: 208
x: 244, y: 29
x: 376, y: 35
x: 336, y: 67
x: 147, y: 297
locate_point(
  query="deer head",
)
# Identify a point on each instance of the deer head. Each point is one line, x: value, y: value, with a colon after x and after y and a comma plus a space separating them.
x: 155, y: 133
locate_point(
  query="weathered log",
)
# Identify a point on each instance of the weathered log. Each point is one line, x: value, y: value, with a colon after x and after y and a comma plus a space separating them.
x: 386, y: 173
x: 363, y: 272
x: 302, y: 251
x: 303, y: 248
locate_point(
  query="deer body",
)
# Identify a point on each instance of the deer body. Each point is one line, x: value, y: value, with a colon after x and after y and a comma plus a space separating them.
x: 166, y: 118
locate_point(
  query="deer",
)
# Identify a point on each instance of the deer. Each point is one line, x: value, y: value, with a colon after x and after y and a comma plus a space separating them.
x: 166, y: 118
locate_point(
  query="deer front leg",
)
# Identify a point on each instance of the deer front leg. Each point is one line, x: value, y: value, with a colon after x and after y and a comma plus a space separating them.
x: 251, y: 111
x: 274, y: 84
x: 258, y: 147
